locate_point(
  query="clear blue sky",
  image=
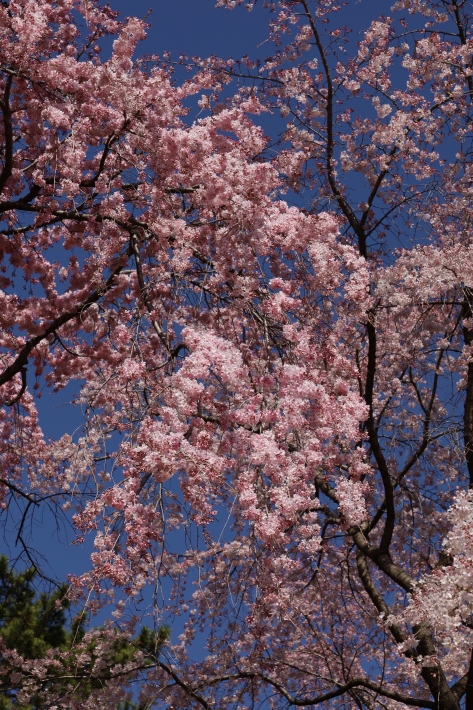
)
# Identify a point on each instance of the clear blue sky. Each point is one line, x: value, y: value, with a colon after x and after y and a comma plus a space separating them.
x: 195, y: 27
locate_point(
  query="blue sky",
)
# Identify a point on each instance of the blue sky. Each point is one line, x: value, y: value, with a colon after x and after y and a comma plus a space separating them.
x: 195, y: 27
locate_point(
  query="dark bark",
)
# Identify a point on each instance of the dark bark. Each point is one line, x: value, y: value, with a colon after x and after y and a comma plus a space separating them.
x: 469, y: 686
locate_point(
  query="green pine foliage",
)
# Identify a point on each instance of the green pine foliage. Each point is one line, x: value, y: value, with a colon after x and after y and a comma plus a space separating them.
x: 33, y: 623
x: 29, y: 623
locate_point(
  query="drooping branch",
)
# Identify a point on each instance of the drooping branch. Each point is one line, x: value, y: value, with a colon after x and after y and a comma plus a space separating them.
x: 17, y: 397
x: 144, y: 293
x: 20, y: 362
x: 8, y: 133
x: 467, y: 314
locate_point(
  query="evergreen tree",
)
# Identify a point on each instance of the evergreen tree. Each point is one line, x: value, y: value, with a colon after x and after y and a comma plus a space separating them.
x: 33, y: 623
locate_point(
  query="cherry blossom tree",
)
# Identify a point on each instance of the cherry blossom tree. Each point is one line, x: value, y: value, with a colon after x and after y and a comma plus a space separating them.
x: 270, y: 343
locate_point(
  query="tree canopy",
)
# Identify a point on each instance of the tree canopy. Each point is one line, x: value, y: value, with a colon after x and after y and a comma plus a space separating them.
x: 270, y: 344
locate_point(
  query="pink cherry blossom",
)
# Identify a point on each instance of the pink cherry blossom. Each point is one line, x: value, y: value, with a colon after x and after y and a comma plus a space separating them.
x: 270, y: 343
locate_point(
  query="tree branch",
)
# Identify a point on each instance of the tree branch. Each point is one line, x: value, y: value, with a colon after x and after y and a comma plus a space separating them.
x: 8, y: 130
x: 21, y: 360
